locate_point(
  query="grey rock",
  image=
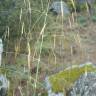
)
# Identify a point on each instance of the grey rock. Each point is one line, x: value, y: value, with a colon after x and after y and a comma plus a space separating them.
x: 48, y: 85
x: 58, y: 7
x: 55, y: 94
x: 84, y: 86
x: 4, y: 85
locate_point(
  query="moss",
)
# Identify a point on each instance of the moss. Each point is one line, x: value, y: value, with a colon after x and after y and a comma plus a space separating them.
x: 64, y: 80
x: 44, y: 94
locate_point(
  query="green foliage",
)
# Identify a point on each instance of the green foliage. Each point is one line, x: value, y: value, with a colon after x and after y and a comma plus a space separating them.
x: 44, y: 94
x: 13, y: 71
x: 78, y: 7
x: 93, y: 18
x: 15, y: 74
x: 6, y: 8
x: 82, y: 21
x: 44, y: 45
x: 21, y: 60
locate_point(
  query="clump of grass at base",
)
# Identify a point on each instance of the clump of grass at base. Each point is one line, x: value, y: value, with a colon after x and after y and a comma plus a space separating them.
x: 64, y: 80
x: 82, y: 21
x: 93, y: 18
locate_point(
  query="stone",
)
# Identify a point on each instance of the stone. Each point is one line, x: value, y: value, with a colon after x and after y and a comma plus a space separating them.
x: 57, y: 6
x: 85, y: 85
x: 4, y: 85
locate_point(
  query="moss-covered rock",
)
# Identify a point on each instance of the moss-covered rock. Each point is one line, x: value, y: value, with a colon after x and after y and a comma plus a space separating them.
x: 64, y: 80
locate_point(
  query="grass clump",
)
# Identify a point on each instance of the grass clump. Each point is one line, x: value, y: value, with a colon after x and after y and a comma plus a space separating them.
x: 82, y: 21
x: 64, y: 80
x: 93, y: 18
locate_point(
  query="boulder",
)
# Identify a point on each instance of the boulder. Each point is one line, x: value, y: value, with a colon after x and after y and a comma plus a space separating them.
x: 58, y: 7
x: 4, y: 85
x: 85, y: 85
